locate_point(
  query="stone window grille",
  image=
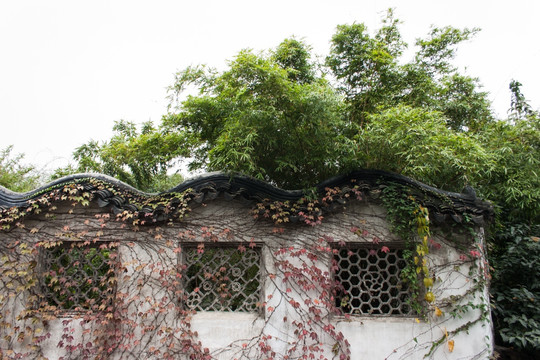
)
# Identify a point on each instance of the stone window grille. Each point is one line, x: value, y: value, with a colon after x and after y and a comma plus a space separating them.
x: 77, y: 277
x: 370, y: 279
x: 221, y: 277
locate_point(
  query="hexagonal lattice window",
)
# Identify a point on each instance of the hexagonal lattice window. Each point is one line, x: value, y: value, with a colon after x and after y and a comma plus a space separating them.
x: 222, y: 278
x: 371, y: 283
x: 77, y: 276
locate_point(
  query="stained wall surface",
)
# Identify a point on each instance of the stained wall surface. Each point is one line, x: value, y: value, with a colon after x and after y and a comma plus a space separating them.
x: 148, y: 253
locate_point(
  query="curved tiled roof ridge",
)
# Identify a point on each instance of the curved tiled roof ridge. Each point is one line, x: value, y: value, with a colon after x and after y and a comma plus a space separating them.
x: 208, y: 186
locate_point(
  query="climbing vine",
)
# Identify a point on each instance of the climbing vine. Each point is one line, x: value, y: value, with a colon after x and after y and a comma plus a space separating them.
x: 411, y: 220
x: 89, y: 284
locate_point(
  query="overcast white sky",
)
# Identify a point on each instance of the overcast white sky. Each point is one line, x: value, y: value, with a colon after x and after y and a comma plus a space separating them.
x: 69, y: 69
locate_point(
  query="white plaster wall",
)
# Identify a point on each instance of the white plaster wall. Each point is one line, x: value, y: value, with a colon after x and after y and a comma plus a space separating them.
x: 386, y: 337
x: 370, y: 337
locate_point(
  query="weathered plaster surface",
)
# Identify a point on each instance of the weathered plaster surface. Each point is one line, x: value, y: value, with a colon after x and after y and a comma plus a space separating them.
x: 370, y: 337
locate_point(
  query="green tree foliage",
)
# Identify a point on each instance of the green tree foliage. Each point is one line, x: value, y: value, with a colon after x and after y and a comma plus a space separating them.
x: 366, y: 67
x: 515, y: 249
x: 294, y: 56
x: 15, y: 175
x: 516, y: 286
x: 274, y: 116
x: 140, y: 159
x: 372, y: 74
x: 268, y: 116
x: 514, y: 185
x: 519, y: 106
x: 418, y: 143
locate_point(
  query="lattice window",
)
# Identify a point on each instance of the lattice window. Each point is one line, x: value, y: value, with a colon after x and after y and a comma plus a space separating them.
x: 77, y: 277
x: 371, y: 282
x: 223, y: 278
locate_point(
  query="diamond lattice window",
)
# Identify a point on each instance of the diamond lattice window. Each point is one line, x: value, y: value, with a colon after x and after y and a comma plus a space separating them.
x: 225, y: 278
x: 77, y: 277
x: 371, y: 282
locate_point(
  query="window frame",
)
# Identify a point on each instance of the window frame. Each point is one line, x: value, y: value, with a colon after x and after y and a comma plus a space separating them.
x: 356, y: 311
x: 183, y: 266
x: 107, y: 284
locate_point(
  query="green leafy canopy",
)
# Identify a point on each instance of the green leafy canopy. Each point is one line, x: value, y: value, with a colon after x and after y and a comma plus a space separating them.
x: 15, y: 175
x: 270, y: 116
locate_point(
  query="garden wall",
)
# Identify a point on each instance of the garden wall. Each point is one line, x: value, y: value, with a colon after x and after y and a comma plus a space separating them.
x: 377, y: 266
